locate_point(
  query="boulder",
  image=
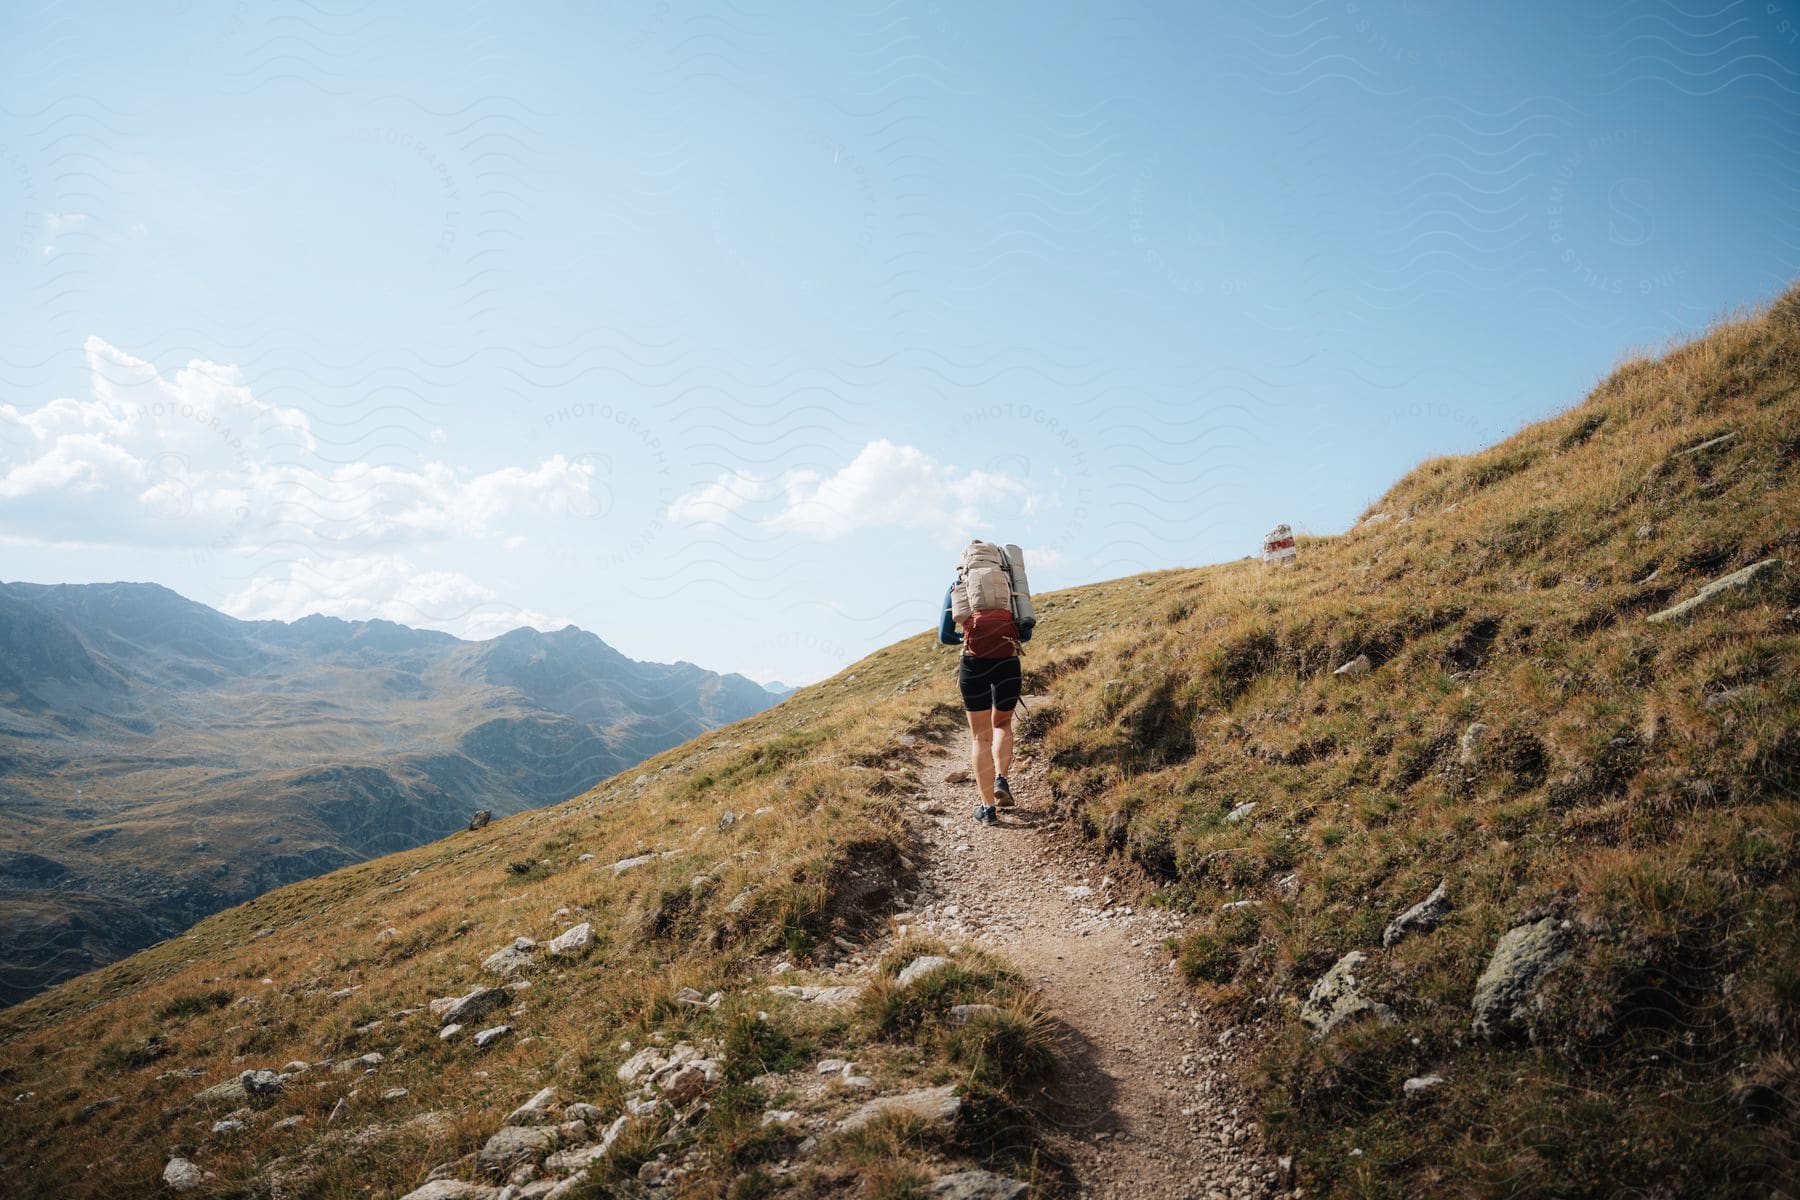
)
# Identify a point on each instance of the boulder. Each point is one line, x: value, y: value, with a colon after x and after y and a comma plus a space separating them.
x: 480, y: 820
x: 183, y: 1176
x: 1525, y: 954
x: 976, y: 1185
x: 627, y: 864
x: 574, y: 941
x: 1241, y: 811
x: 1422, y: 917
x: 488, y: 1037
x: 478, y: 1003
x: 449, y: 1031
x: 511, y: 961
x: 920, y: 967
x: 363, y: 1062
x: 831, y: 997
x: 539, y: 1110
x: 1360, y: 665
x: 593, y: 1114
x: 1736, y: 581
x: 262, y: 1085
x: 933, y: 1106
x: 1337, y: 998
x: 685, y: 1085
x: 451, y: 1189
x: 515, y: 1144
x: 580, y: 1158
x: 229, y: 1094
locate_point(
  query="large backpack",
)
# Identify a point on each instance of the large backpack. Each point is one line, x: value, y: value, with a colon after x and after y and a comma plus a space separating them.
x: 989, y: 578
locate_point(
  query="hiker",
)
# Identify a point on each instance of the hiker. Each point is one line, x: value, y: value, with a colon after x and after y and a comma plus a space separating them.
x: 991, y: 602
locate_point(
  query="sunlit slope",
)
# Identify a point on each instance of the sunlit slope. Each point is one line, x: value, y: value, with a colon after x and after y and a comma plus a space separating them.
x: 1633, y: 786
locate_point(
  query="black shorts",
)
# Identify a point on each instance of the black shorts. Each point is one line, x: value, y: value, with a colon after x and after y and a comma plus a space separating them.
x: 989, y: 683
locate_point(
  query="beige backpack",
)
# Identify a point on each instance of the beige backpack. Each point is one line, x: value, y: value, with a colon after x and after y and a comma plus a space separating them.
x: 983, y: 582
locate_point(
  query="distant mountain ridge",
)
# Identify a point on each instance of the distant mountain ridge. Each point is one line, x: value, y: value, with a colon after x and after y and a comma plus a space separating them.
x: 160, y: 760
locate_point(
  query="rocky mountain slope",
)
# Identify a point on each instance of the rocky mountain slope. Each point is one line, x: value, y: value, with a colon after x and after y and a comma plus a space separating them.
x: 1458, y: 858
x: 160, y: 760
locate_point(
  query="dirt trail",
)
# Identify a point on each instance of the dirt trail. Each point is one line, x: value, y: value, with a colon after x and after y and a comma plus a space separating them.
x: 1146, y: 1107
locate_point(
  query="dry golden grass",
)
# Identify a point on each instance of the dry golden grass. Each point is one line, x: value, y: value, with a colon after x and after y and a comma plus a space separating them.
x: 1615, y: 788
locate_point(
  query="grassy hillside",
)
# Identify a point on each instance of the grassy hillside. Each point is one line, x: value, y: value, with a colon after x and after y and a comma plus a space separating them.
x: 1634, y: 785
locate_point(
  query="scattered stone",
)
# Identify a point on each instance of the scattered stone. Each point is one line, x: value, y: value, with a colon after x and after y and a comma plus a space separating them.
x: 1337, y: 999
x: 574, y: 941
x: 463, y: 1009
x: 536, y: 1110
x: 261, y: 1085
x: 959, y: 777
x: 1360, y: 665
x: 1374, y: 519
x: 832, y: 1066
x: 397, y: 1093
x: 1420, y: 1084
x: 452, y: 1189
x: 931, y: 808
x: 860, y: 1082
x: 1422, y: 917
x: 585, y: 858
x: 339, y: 1112
x: 229, y: 1094
x: 229, y: 1125
x: 582, y: 1157
x: 388, y: 934
x: 1525, y: 954
x: 830, y: 997
x: 448, y: 1032
x: 593, y: 1114
x: 1241, y: 811
x: 628, y: 864
x: 690, y: 998
x: 778, y: 1116
x: 934, y: 1106
x: 293, y: 1122
x: 480, y: 820
x: 962, y: 1014
x: 727, y: 820
x: 977, y: 1185
x: 296, y: 1067
x: 1737, y: 580
x: 515, y: 1144
x: 512, y: 961
x: 685, y: 1085
x: 364, y: 1062
x: 740, y: 902
x: 1469, y: 747
x: 1078, y: 892
x: 183, y: 1176
x: 921, y: 967
x: 488, y: 1037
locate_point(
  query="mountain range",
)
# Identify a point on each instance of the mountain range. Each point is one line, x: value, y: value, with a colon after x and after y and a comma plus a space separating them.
x: 160, y: 760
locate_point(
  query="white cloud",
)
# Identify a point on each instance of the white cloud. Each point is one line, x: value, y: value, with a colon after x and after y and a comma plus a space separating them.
x: 719, y: 499
x: 196, y: 459
x: 885, y: 485
x: 386, y: 587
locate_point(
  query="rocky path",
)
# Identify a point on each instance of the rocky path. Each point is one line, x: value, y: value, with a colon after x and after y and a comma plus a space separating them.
x: 1146, y: 1107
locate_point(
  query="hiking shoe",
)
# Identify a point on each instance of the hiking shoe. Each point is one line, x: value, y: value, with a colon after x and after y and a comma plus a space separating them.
x: 1002, y: 792
x: 993, y: 818
x: 981, y: 814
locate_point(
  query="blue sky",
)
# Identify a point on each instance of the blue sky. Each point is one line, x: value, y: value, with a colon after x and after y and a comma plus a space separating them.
x: 716, y: 329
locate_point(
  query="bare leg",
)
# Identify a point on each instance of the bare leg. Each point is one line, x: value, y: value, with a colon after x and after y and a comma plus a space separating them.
x: 1003, y: 741
x: 981, y: 760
